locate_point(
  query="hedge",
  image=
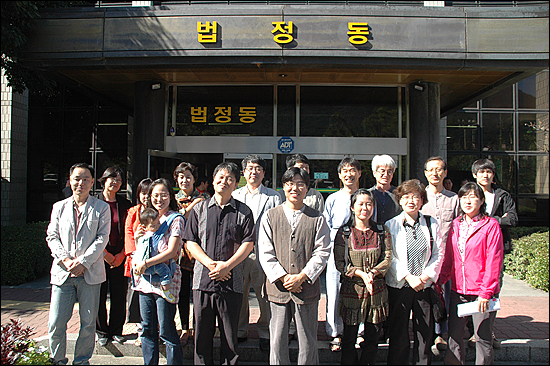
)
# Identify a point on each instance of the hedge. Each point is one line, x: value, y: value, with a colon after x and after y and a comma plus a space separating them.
x: 528, y: 260
x: 25, y: 253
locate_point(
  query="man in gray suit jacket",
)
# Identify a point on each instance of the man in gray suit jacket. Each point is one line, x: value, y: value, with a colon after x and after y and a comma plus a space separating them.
x: 259, y: 199
x: 77, y: 235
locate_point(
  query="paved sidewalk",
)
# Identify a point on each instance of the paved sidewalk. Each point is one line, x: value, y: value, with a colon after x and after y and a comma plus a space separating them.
x: 524, y: 316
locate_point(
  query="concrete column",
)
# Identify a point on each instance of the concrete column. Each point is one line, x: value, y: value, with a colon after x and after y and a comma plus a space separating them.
x: 425, y: 126
x: 15, y: 110
x: 147, y: 130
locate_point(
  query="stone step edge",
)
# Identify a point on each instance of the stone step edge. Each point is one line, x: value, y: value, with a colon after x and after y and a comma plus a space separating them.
x: 521, y: 350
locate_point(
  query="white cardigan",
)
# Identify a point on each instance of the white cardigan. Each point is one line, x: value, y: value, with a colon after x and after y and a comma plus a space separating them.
x: 395, y: 277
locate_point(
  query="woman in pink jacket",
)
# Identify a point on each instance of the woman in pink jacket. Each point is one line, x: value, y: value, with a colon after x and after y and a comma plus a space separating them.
x: 473, y: 260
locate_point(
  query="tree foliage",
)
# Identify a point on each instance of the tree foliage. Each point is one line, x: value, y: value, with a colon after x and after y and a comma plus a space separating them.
x: 17, y: 21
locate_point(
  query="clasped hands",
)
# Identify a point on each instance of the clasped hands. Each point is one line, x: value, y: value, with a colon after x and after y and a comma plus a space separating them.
x: 219, y: 270
x: 74, y: 266
x: 114, y: 260
x: 417, y: 283
x: 293, y: 282
x: 367, y: 277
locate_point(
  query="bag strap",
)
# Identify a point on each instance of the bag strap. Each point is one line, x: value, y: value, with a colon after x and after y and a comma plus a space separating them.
x: 429, y: 223
x: 155, y: 238
x: 347, y: 232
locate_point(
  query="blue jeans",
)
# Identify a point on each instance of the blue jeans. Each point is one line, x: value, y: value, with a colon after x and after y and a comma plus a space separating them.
x: 61, y: 309
x: 158, y: 313
x: 163, y: 271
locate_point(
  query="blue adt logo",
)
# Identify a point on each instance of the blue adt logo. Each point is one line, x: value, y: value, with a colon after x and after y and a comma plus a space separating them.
x: 285, y: 145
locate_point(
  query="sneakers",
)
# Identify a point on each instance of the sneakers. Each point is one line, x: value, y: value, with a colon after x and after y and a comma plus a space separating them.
x: 167, y: 295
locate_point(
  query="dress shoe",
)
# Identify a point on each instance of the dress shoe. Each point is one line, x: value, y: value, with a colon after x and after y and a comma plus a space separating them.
x: 496, y: 342
x: 102, y: 341
x: 119, y: 339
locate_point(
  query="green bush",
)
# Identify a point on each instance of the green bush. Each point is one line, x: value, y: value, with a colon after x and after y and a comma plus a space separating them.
x: 25, y: 253
x: 521, y: 231
x: 529, y: 260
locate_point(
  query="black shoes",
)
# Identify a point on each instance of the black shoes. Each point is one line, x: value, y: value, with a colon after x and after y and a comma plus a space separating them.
x: 102, y: 341
x: 119, y: 339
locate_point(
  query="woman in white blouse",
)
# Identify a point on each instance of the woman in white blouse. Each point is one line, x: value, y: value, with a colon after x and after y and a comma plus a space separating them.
x: 417, y: 259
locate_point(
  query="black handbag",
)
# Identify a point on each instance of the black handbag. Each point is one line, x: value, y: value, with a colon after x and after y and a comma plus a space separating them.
x: 438, y: 303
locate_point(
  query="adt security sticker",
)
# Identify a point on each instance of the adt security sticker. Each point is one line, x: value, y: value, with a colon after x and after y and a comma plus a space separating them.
x: 285, y: 145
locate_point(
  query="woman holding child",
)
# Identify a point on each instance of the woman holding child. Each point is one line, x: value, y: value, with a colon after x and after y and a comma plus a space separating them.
x: 156, y: 312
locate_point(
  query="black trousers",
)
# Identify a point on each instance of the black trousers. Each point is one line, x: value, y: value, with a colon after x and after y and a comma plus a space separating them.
x: 402, y: 302
x: 117, y: 285
x: 209, y: 306
x: 185, y: 297
x: 369, y: 347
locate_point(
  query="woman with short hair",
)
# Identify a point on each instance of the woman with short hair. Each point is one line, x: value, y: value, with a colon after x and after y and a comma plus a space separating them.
x: 417, y: 258
x: 110, y: 327
x: 473, y: 261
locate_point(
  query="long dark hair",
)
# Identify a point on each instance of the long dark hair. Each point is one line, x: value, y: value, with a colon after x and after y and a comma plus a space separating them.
x: 478, y: 191
x: 162, y: 181
x: 353, y: 199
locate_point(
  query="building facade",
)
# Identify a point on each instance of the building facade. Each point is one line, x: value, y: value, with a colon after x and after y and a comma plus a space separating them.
x: 148, y: 87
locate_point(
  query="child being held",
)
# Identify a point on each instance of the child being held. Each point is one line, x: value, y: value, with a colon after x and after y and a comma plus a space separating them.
x: 147, y: 247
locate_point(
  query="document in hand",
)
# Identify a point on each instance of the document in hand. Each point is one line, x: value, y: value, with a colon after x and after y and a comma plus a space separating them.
x: 470, y: 308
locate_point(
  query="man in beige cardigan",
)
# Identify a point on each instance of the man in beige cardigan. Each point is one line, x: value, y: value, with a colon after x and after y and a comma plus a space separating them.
x: 293, y: 248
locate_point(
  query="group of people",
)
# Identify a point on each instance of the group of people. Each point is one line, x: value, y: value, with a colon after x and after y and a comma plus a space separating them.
x: 382, y: 249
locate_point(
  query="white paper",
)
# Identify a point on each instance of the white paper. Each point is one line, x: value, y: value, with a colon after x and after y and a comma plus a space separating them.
x: 470, y: 308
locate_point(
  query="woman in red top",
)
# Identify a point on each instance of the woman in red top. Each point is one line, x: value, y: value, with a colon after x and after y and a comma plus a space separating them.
x: 131, y: 226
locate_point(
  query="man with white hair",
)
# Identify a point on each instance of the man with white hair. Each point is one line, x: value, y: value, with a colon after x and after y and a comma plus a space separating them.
x: 386, y: 207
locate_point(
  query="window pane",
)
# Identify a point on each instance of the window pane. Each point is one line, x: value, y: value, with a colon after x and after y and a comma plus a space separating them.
x: 286, y: 110
x: 462, y: 131
x: 348, y: 111
x: 498, y: 132
x: 533, y: 91
x: 533, y: 209
x: 533, y: 174
x: 533, y: 131
x: 224, y: 110
x: 502, y: 99
x: 506, y: 172
x: 459, y: 169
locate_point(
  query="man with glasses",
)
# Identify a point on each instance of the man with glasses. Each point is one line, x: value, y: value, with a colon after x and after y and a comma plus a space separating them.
x: 259, y: 199
x: 293, y: 248
x: 337, y: 213
x: 442, y: 205
x: 386, y: 206
x: 77, y: 235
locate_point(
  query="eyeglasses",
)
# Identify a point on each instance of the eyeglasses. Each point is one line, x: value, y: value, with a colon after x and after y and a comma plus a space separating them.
x: 257, y: 169
x: 161, y: 196
x: 413, y: 197
x: 385, y: 171
x: 299, y: 185
x: 469, y: 197
x: 435, y: 170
